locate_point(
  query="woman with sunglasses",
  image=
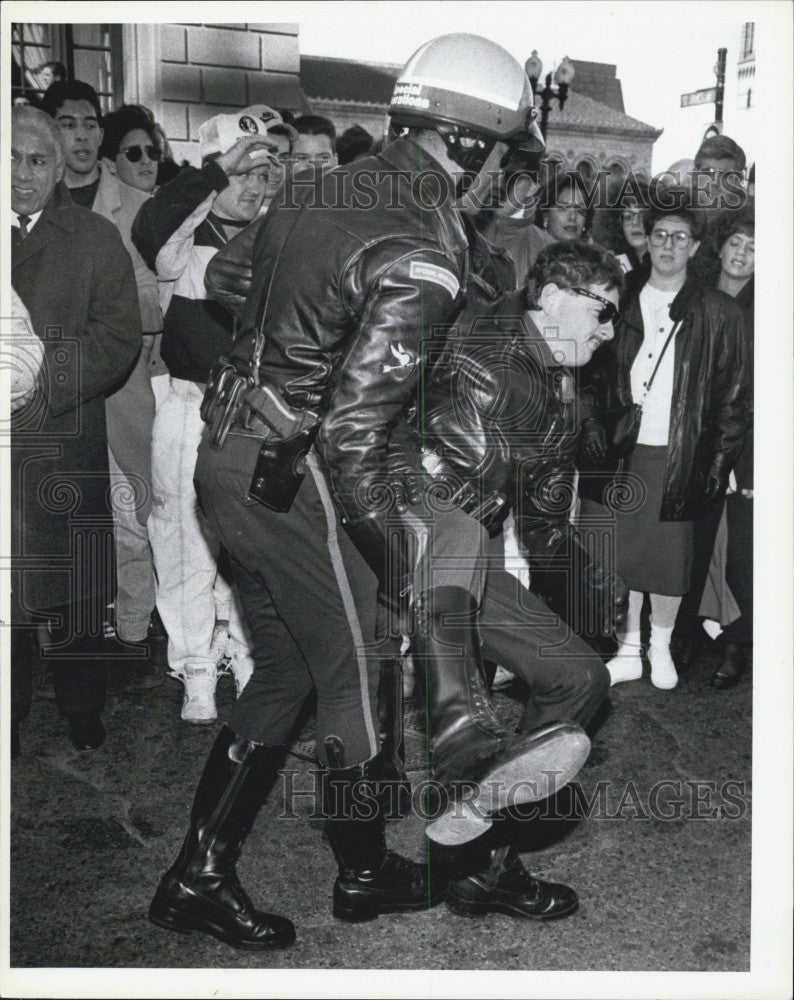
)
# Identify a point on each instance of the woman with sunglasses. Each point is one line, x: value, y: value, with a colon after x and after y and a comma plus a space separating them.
x: 129, y: 155
x: 679, y: 351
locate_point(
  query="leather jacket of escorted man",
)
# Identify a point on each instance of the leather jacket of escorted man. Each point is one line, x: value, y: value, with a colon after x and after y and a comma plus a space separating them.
x: 501, y: 425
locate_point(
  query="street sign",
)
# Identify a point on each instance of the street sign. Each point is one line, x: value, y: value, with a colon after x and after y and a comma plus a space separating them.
x: 706, y: 96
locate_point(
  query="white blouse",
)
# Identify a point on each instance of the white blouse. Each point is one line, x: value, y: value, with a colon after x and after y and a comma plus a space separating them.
x: 655, y: 424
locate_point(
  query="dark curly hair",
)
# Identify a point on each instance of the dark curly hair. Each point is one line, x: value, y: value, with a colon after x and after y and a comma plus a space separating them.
x: 621, y: 195
x: 674, y: 201
x: 558, y: 183
x: 706, y: 264
x: 120, y: 123
x: 572, y: 264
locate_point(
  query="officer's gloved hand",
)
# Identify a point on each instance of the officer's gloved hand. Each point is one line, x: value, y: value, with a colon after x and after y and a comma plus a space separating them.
x: 403, y: 475
x: 593, y: 441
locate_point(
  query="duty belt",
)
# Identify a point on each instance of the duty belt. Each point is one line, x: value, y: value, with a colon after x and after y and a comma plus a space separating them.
x: 232, y: 399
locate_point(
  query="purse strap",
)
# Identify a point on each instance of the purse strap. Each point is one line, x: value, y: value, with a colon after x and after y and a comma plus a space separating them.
x: 676, y: 327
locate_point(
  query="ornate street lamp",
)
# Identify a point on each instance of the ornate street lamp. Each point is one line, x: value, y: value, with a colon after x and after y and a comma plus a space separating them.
x: 563, y: 77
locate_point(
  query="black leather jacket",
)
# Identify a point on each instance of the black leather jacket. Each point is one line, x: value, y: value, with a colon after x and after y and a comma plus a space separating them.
x: 503, y: 417
x: 352, y: 273
x: 710, y: 404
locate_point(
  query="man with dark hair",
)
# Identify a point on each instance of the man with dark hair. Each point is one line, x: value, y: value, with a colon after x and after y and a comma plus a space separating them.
x: 96, y: 185
x: 721, y: 161
x: 75, y: 107
x: 51, y: 72
x: 353, y: 143
x: 315, y: 144
x: 76, y: 279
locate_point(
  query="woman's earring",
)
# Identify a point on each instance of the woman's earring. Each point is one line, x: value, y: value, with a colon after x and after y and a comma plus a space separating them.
x: 545, y: 223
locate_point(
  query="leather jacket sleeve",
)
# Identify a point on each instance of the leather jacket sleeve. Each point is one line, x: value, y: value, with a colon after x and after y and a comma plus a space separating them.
x: 729, y: 417
x: 229, y: 274
x: 395, y: 294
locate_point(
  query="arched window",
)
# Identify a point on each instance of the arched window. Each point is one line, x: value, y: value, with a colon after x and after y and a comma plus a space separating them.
x: 587, y: 169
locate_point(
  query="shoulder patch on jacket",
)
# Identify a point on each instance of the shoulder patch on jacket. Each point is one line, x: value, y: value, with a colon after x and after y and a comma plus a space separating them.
x: 438, y: 275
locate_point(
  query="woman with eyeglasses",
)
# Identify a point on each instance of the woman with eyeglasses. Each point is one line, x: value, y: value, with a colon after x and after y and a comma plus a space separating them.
x: 620, y: 225
x: 679, y: 352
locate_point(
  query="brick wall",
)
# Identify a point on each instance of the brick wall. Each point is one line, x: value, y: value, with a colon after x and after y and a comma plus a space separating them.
x: 212, y: 69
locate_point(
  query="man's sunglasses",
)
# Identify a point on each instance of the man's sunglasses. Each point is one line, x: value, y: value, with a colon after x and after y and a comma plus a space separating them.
x: 134, y: 153
x: 608, y: 314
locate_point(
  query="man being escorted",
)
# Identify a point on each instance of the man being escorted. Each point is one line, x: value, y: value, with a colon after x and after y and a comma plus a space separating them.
x: 307, y: 421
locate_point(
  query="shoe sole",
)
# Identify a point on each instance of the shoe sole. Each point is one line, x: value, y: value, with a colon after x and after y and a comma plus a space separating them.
x: 468, y: 908
x: 362, y: 913
x: 177, y: 922
x: 534, y: 775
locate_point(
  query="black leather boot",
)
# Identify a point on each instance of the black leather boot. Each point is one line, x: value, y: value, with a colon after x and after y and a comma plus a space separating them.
x: 729, y: 672
x: 372, y: 879
x: 501, y: 884
x: 395, y: 788
x: 201, y: 891
x: 481, y: 766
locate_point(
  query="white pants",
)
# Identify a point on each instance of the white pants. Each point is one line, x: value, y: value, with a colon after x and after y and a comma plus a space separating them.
x: 191, y: 593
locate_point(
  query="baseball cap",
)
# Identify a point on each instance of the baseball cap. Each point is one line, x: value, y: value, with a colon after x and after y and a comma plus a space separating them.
x: 219, y: 134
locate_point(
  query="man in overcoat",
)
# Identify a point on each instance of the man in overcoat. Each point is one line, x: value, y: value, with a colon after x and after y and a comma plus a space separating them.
x: 73, y: 274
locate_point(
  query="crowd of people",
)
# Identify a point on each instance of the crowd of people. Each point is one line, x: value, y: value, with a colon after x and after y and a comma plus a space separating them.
x: 284, y: 408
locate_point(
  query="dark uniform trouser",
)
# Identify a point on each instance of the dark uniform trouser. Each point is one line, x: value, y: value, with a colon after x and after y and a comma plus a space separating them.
x: 308, y: 599
x: 567, y: 680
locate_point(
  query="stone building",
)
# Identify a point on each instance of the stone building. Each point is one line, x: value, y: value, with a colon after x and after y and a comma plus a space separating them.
x: 185, y: 73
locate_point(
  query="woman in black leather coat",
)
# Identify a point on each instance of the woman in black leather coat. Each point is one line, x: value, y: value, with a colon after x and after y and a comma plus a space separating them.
x: 692, y: 428
x: 728, y: 263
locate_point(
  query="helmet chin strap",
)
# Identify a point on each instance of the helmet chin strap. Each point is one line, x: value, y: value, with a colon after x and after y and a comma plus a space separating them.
x: 468, y: 151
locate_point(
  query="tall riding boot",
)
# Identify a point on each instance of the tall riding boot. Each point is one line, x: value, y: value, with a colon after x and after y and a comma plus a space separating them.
x: 470, y: 749
x: 372, y: 879
x: 395, y: 786
x: 498, y: 882
x: 201, y: 891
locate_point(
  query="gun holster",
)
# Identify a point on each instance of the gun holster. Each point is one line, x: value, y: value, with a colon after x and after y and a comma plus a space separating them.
x: 223, y: 400
x: 260, y: 411
x: 280, y: 469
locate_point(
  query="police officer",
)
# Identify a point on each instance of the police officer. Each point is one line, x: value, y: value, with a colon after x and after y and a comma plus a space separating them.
x: 303, y: 474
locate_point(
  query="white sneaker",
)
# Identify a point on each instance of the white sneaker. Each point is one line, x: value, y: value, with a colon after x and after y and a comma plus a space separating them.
x: 241, y: 666
x: 625, y: 665
x: 663, y: 672
x: 199, y: 703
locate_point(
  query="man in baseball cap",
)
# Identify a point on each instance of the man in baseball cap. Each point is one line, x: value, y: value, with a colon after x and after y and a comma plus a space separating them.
x: 178, y: 232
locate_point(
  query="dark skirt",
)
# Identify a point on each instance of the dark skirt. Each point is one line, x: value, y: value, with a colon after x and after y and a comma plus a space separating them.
x: 651, y: 555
